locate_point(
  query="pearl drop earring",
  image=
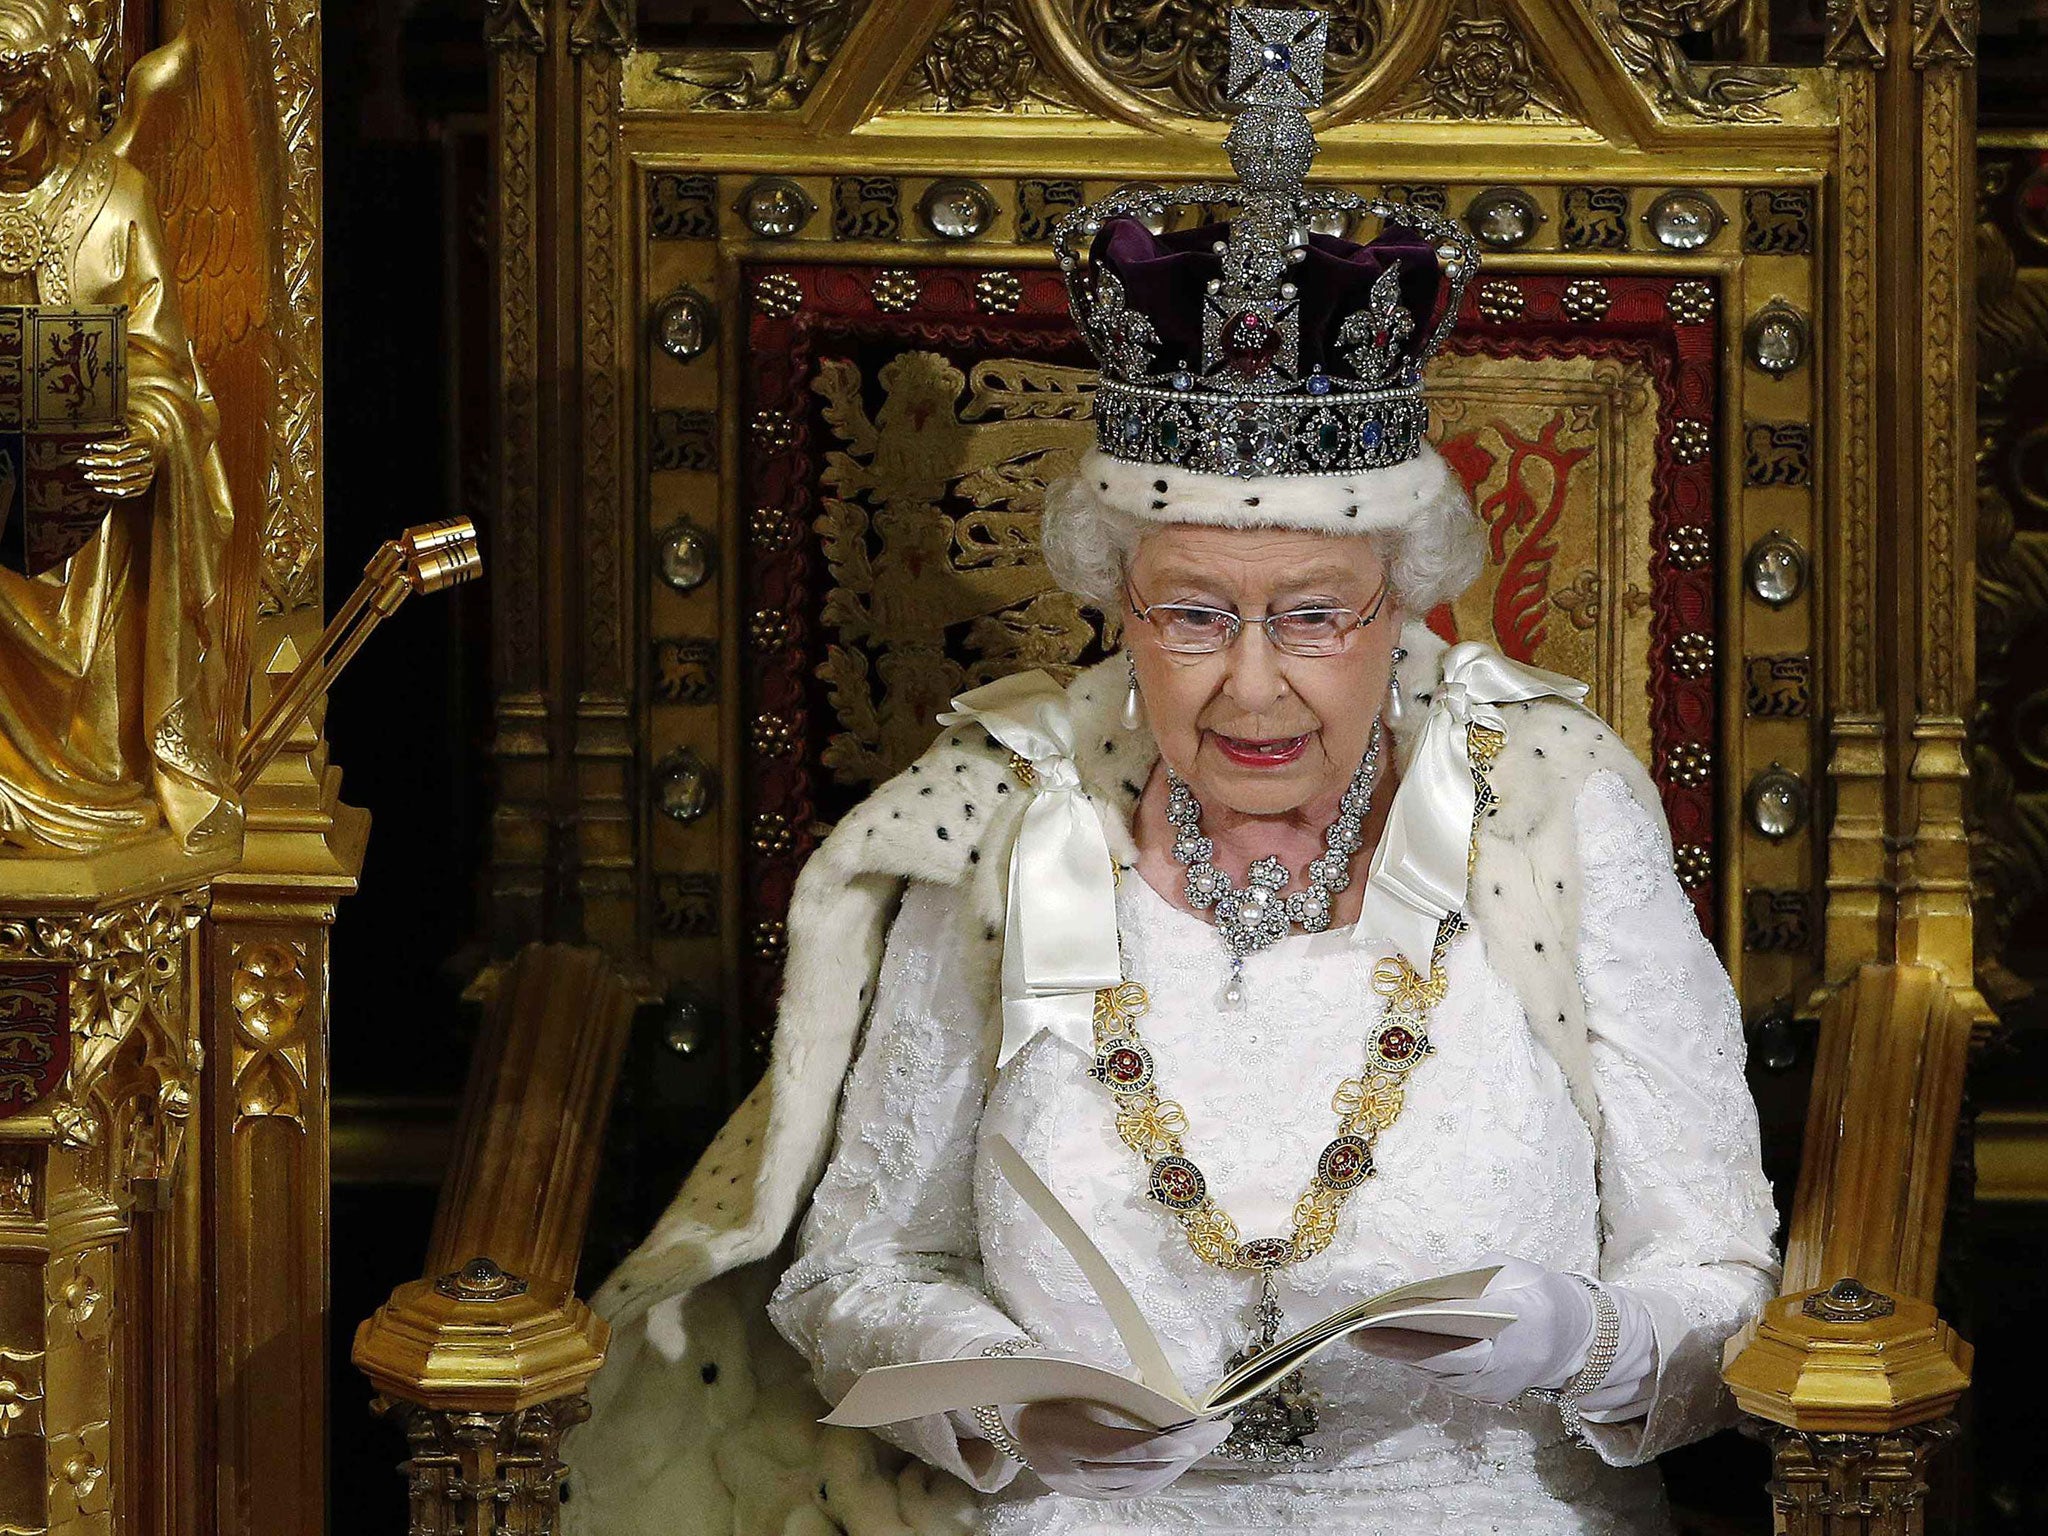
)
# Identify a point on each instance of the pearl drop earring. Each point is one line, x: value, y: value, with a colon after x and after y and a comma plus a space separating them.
x: 1132, y: 718
x: 1396, y: 707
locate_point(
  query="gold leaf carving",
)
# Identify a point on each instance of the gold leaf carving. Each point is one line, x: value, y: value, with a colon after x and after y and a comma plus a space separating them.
x: 1645, y: 35
x: 21, y: 1393
x: 1944, y: 416
x: 516, y: 24
x: 605, y: 24
x: 269, y: 991
x: 981, y: 59
x: 943, y: 484
x: 2009, y: 839
x: 765, y: 80
x: 1483, y: 69
x: 81, y: 1296
x: 20, y: 1183
x: 135, y: 1055
x: 1856, y: 32
x: 1944, y: 32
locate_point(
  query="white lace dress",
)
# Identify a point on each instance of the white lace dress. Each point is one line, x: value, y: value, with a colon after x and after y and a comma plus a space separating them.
x: 914, y: 1247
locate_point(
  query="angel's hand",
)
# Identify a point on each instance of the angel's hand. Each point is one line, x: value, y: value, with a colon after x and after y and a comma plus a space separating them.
x: 122, y: 466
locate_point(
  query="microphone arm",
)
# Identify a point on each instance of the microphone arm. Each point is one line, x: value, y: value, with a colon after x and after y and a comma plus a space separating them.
x: 428, y: 558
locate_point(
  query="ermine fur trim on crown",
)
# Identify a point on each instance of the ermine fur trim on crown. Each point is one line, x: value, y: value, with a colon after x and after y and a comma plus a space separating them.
x: 1370, y: 501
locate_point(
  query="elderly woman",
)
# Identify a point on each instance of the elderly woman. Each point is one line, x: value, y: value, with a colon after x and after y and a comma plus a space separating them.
x: 1299, y: 954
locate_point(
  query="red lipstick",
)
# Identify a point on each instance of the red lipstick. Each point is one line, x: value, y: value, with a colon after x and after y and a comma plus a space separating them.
x: 1271, y: 752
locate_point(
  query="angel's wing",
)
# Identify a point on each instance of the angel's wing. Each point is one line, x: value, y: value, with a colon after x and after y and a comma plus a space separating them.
x: 190, y: 124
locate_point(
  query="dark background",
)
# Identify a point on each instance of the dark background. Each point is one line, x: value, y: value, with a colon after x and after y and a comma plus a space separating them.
x: 408, y: 272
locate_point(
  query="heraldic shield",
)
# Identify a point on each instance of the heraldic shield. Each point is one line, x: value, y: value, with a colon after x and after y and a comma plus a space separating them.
x: 63, y: 388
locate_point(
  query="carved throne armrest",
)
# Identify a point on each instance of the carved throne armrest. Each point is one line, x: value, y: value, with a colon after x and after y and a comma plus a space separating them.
x: 1851, y: 1372
x: 485, y: 1360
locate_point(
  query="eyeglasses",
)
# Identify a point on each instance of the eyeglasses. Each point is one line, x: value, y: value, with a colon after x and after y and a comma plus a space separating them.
x: 1194, y: 629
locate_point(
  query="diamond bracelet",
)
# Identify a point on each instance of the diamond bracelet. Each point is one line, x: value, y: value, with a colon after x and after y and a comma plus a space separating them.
x: 988, y: 1418
x: 1600, y: 1357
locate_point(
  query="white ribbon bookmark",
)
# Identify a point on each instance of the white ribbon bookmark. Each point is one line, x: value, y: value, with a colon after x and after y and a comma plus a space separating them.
x: 1060, y: 940
x: 1419, y: 872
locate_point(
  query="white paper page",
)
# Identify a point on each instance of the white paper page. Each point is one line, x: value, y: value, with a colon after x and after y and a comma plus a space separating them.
x: 894, y: 1393
x: 1139, y: 1341
x: 1451, y: 1304
x: 890, y: 1394
x: 1459, y: 1321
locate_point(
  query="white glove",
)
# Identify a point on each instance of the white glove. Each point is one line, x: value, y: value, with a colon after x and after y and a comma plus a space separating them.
x: 1090, y: 1451
x: 1545, y: 1346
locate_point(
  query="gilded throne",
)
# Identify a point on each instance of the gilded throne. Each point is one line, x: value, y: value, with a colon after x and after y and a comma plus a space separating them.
x: 1704, y: 393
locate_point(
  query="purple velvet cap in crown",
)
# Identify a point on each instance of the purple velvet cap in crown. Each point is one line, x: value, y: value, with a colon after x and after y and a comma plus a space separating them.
x: 1257, y: 347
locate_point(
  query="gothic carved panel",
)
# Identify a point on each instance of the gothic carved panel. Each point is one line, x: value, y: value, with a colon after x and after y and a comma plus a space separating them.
x: 1646, y: 35
x: 1170, y: 53
x: 777, y: 77
x: 134, y: 1053
x: 1483, y: 68
x: 269, y: 992
x: 2009, y: 760
x: 982, y: 58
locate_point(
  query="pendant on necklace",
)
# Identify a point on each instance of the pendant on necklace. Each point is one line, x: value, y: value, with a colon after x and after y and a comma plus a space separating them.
x: 1259, y: 915
x: 1274, y: 1426
x: 1233, y: 991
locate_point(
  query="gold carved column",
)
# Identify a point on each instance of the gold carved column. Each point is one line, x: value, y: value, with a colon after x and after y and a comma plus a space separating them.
x: 265, y: 1216
x: 523, y: 663
x: 100, y: 1060
x: 565, y: 832
x: 163, y: 1313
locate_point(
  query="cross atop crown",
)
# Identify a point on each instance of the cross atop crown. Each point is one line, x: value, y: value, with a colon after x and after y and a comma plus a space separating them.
x: 1276, y: 58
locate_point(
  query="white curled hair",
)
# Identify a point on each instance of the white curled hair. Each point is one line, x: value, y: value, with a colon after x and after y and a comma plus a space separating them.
x: 1433, y: 543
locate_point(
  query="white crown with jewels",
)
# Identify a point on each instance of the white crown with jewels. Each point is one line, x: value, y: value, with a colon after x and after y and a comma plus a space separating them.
x: 1261, y: 347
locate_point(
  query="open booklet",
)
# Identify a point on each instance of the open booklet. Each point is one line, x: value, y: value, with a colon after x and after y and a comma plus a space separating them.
x: 1447, y: 1305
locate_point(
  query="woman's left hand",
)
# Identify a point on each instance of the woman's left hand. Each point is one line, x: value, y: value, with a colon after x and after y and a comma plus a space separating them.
x: 1545, y: 1346
x: 1089, y: 1451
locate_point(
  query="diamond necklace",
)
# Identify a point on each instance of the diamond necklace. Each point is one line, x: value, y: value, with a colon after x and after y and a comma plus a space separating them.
x: 1258, y: 916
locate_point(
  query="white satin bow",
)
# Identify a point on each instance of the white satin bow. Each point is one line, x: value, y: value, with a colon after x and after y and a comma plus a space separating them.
x: 1060, y: 940
x: 1419, y: 872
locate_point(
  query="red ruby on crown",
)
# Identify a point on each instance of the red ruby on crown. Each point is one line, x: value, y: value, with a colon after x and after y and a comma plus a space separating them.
x: 1250, y: 342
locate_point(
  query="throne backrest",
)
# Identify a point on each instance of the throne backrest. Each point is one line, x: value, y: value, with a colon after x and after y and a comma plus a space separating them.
x: 859, y: 374
x: 903, y: 423
x: 823, y: 370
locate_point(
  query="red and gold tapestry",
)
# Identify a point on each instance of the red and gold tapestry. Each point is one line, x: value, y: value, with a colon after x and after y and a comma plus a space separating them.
x: 903, y: 424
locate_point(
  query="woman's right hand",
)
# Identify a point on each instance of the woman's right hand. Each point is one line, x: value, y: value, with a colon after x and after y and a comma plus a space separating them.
x: 1090, y: 1451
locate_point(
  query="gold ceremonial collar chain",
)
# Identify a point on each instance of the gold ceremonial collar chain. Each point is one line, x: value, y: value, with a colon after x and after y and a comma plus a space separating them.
x: 1156, y: 1128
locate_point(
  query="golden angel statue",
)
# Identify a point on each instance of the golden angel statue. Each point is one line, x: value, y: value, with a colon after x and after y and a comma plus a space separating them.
x: 113, y: 658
